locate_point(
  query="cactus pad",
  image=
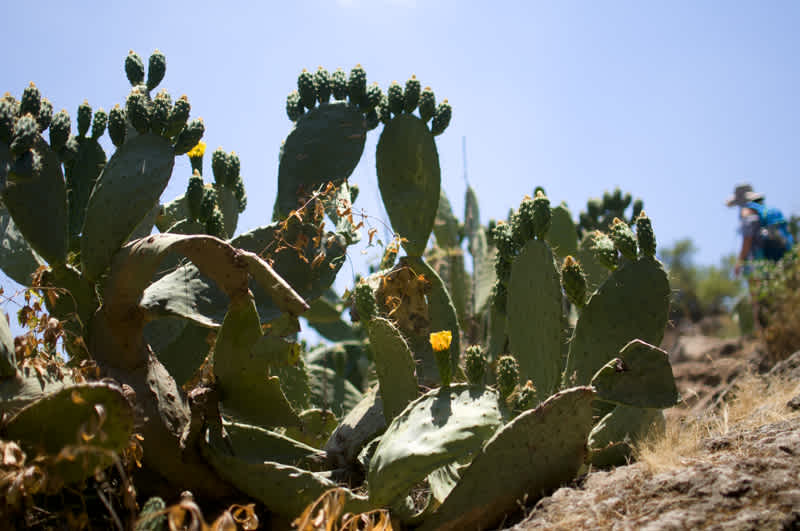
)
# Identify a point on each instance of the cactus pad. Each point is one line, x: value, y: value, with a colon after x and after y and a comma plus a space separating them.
x: 640, y: 376
x: 394, y: 364
x: 534, y: 315
x: 409, y: 178
x: 526, y: 459
x: 438, y: 428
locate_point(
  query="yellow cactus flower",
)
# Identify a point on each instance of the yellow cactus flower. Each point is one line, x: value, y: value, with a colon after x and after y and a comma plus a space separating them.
x: 440, y: 341
x: 197, y: 151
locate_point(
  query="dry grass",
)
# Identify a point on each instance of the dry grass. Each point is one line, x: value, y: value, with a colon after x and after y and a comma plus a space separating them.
x: 755, y: 401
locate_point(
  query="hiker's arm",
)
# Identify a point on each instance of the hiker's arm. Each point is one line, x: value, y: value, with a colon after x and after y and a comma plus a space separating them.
x: 747, y: 244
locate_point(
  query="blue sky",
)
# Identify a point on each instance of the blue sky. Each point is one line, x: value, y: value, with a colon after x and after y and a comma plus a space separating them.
x: 674, y: 102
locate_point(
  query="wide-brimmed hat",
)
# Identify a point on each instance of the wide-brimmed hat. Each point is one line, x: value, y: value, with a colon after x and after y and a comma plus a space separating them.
x: 743, y: 193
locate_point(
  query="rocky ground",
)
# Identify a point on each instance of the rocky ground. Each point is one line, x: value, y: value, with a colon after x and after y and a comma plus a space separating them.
x: 721, y: 467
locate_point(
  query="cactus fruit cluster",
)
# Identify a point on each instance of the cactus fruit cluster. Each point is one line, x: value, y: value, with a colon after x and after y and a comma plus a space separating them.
x: 442, y: 377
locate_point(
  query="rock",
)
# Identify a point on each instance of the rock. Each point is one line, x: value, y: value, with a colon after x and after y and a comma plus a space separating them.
x: 745, y: 479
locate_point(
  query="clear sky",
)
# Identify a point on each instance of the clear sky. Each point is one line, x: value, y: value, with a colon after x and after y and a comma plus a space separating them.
x: 674, y: 102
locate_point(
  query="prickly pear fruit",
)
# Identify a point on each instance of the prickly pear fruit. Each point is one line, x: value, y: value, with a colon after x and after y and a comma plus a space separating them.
x: 306, y: 89
x: 161, y: 109
x: 232, y: 168
x: 503, y: 238
x: 215, y: 225
x: 525, y: 397
x: 31, y: 100
x: 136, y: 110
x: 427, y: 104
x: 156, y: 68
x: 384, y: 113
x: 339, y: 84
x: 374, y: 97
x: 322, y: 80
x: 294, y: 108
x: 357, y: 85
x: 207, y: 204
x: 475, y: 364
x: 196, y: 157
x: 178, y: 116
x: 541, y: 215
x: 8, y: 114
x: 411, y: 94
x: 134, y: 68
x: 638, y: 206
x: 371, y: 120
x: 190, y: 136
x: 240, y: 194
x: 442, y: 118
x: 645, y: 235
x: 99, y: 123
x: 522, y: 223
x: 623, y: 238
x: 194, y: 195
x: 605, y: 251
x: 574, y: 281
x: 218, y: 163
x: 45, y: 115
x: 389, y: 257
x: 507, y: 375
x: 84, y: 118
x: 25, y: 132
x: 59, y: 130
x: 395, y: 95
x: 116, y: 126
x: 365, y: 303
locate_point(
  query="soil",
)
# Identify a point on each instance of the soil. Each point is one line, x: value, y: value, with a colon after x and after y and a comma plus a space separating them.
x: 748, y: 478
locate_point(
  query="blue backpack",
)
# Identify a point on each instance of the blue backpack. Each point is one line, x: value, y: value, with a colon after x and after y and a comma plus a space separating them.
x: 777, y: 238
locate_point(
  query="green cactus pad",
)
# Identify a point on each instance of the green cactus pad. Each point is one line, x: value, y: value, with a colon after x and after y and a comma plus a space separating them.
x: 130, y: 185
x: 86, y: 419
x: 526, y: 459
x: 331, y: 390
x: 282, y: 489
x: 45, y: 191
x: 641, y: 376
x: 81, y: 175
x: 256, y: 445
x: 325, y: 145
x: 563, y: 235
x: 185, y: 353
x: 242, y: 378
x: 632, y: 304
x: 27, y: 386
x: 409, y: 179
x: 17, y: 259
x: 317, y: 426
x: 612, y: 439
x: 362, y: 424
x: 534, y: 311
x: 394, y: 364
x: 438, y: 428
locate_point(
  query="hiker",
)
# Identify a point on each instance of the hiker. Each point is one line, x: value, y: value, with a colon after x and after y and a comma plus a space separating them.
x: 764, y: 231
